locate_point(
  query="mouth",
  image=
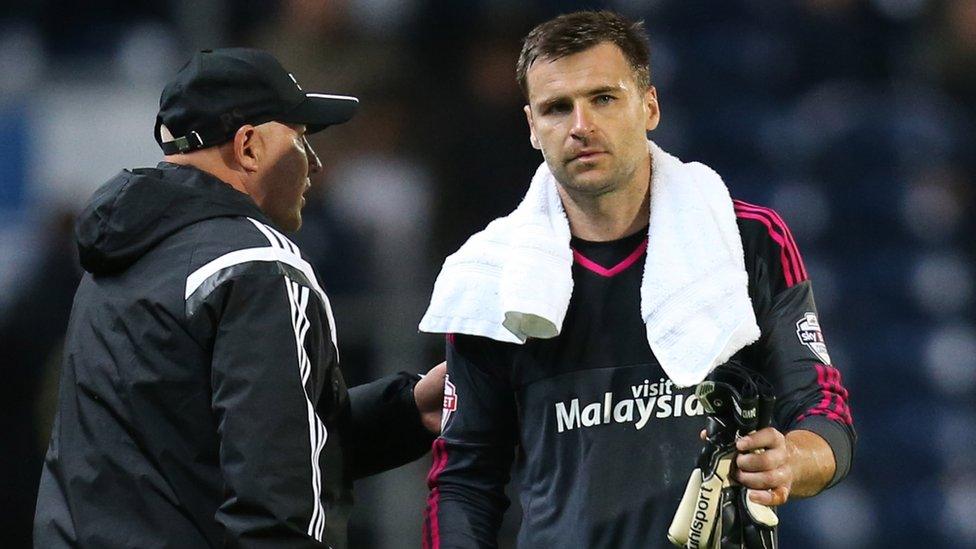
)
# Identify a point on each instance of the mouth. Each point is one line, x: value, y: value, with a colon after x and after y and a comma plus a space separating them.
x: 587, y: 155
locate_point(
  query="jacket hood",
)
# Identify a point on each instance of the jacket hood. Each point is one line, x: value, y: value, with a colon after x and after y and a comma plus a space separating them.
x: 136, y: 210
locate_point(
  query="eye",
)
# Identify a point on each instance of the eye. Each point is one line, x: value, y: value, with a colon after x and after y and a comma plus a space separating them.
x: 605, y: 99
x: 559, y: 107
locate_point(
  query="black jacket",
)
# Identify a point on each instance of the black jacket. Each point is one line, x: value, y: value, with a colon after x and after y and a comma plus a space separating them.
x: 602, y: 441
x: 201, y: 400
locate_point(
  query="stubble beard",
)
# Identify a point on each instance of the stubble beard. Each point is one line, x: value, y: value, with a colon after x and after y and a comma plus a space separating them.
x: 616, y: 179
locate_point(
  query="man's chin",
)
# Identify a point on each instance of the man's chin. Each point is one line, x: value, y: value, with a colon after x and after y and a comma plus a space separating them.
x: 588, y: 183
x: 290, y: 224
x: 296, y: 224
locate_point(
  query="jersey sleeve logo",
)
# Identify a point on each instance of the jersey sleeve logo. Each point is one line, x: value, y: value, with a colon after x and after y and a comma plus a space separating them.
x: 809, y: 333
x: 450, y: 401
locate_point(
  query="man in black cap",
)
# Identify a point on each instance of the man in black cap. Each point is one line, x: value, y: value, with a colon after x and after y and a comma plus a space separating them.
x: 201, y: 400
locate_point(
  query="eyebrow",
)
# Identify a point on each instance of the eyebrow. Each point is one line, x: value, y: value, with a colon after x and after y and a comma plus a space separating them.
x: 588, y: 93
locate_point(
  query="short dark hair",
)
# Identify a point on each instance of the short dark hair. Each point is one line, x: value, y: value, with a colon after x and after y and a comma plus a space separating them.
x: 575, y: 32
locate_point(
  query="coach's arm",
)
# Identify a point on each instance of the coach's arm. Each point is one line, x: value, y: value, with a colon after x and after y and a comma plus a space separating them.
x: 393, y: 420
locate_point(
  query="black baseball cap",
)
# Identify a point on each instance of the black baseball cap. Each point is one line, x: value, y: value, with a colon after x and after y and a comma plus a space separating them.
x: 220, y: 90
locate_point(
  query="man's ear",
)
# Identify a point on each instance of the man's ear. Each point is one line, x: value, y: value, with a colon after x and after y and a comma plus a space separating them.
x: 248, y: 148
x: 652, y: 107
x: 532, y: 138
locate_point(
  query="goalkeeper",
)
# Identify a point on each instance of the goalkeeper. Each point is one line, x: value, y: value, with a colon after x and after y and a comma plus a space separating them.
x: 587, y: 388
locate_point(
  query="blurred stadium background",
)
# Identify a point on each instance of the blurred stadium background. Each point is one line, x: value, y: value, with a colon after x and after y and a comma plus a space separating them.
x: 853, y: 118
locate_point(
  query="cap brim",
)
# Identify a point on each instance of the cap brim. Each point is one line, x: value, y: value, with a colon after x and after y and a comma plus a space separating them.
x: 320, y: 110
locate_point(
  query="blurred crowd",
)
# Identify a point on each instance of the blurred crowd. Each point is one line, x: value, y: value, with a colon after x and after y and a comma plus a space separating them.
x: 853, y: 118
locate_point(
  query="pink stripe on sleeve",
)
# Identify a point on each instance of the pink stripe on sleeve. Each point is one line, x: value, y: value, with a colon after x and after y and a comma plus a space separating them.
x: 432, y: 536
x: 841, y: 395
x: 828, y: 379
x: 789, y: 236
x: 784, y: 230
x: 780, y: 232
x: 788, y: 271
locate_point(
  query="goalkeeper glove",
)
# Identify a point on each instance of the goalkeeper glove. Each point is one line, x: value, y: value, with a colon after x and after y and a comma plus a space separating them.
x: 715, y: 511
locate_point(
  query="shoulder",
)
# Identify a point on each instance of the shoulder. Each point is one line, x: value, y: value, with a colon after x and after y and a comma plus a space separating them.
x: 767, y: 239
x: 238, y: 239
x: 232, y: 247
x: 494, y: 357
x: 760, y: 222
x: 479, y: 344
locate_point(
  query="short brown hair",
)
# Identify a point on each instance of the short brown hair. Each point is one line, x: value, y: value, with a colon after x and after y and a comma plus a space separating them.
x: 575, y: 32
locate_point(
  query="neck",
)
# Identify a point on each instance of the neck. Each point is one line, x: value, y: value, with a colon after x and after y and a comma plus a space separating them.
x: 611, y: 215
x: 212, y: 161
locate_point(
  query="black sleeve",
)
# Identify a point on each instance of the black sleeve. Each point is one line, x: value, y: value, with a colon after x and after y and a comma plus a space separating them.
x: 810, y: 394
x: 384, y: 429
x: 792, y: 351
x: 474, y: 453
x: 263, y: 409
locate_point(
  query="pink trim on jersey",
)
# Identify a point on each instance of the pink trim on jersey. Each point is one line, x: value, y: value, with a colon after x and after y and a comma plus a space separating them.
x: 784, y: 229
x: 591, y: 265
x: 833, y: 392
x: 788, y: 271
x: 432, y: 531
x: 794, y: 271
x: 789, y: 237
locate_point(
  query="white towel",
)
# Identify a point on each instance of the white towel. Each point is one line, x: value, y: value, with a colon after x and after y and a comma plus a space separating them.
x: 513, y: 280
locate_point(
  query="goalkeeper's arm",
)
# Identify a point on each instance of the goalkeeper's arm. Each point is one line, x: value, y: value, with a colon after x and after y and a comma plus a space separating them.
x: 799, y: 464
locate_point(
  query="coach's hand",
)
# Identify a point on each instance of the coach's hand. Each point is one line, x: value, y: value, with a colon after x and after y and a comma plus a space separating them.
x: 768, y: 474
x: 429, y: 396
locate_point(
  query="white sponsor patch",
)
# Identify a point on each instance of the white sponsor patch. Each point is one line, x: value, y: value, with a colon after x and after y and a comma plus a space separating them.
x: 808, y: 331
x: 649, y: 400
x: 450, y: 401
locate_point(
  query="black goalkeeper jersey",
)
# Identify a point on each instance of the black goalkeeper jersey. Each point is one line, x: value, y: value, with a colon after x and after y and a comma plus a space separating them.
x: 602, y: 441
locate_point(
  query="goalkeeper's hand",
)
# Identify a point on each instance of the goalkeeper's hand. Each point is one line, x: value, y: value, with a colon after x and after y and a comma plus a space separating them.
x: 766, y: 473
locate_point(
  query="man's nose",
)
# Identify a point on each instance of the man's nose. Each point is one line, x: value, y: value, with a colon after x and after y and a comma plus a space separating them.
x: 582, y: 122
x: 314, y: 164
